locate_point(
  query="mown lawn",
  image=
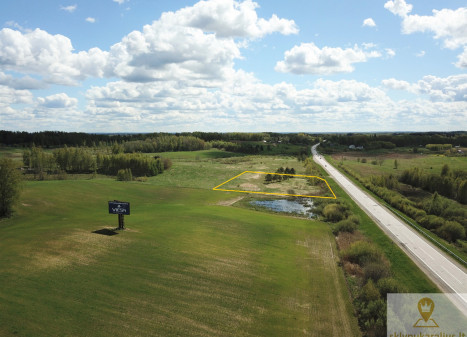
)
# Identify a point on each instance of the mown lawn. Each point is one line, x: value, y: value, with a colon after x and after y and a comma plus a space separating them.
x: 186, y: 266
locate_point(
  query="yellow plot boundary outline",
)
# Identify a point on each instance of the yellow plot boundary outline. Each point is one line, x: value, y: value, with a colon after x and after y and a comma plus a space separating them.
x: 280, y: 174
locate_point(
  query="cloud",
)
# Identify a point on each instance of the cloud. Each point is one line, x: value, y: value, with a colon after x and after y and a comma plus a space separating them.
x: 390, y: 52
x: 57, y: 101
x: 310, y: 59
x: 229, y: 18
x: 120, y: 2
x: 438, y: 89
x: 421, y: 53
x: 462, y: 59
x: 12, y: 96
x: 398, y: 7
x: 194, y: 43
x: 369, y: 22
x: 21, y: 83
x: 394, y: 84
x: 90, y: 20
x: 51, y: 56
x: 447, y: 25
x: 69, y: 9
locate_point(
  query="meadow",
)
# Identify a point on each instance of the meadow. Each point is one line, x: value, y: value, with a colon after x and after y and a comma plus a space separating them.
x: 384, y: 163
x: 187, y: 265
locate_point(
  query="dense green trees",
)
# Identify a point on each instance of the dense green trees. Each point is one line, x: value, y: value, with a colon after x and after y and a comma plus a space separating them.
x: 10, y: 180
x: 451, y: 184
x: 83, y: 160
x: 165, y: 143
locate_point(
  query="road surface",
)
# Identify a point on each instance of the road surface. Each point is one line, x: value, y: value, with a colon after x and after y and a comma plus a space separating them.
x: 450, y: 277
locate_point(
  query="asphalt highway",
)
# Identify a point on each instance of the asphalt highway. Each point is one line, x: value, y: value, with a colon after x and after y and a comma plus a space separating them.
x: 450, y: 277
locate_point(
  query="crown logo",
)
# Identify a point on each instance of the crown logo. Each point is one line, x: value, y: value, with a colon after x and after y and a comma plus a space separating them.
x: 426, y: 307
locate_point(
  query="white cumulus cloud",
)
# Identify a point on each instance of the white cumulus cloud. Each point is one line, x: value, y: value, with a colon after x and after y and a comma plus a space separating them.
x: 438, y: 89
x: 308, y: 58
x: 398, y: 7
x: 229, y: 18
x: 447, y: 25
x: 369, y: 22
x: 57, y: 101
x: 90, y: 20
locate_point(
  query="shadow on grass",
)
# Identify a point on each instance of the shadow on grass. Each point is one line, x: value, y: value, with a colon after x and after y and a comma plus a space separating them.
x: 106, y: 231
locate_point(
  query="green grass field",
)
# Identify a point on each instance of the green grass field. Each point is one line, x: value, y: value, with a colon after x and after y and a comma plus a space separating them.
x: 186, y: 266
x: 190, y: 264
x: 430, y: 162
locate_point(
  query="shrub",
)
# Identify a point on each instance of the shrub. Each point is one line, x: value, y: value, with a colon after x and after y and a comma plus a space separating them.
x: 389, y: 286
x: 369, y: 292
x: 124, y: 175
x: 362, y: 252
x: 355, y: 219
x: 363, y: 160
x: 346, y: 225
x: 376, y: 270
x: 451, y: 231
x: 167, y: 163
x: 372, y: 317
x: 333, y: 212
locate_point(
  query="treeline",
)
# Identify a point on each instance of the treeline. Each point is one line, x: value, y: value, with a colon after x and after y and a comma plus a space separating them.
x: 451, y: 184
x: 47, y: 139
x: 83, y: 160
x: 373, y: 141
x: 440, y: 215
x: 165, y: 143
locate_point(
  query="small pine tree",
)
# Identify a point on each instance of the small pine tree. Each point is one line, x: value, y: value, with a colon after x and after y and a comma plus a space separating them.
x: 396, y: 164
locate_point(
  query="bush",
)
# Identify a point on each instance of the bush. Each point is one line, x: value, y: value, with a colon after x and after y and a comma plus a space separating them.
x: 376, y: 271
x: 167, y: 163
x: 451, y: 231
x: 124, y: 175
x: 372, y: 317
x: 363, y: 252
x: 363, y: 160
x: 369, y: 292
x: 333, y: 212
x: 355, y: 219
x: 389, y: 286
x: 346, y: 225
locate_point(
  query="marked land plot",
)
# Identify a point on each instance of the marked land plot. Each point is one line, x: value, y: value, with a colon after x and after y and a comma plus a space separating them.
x: 294, y: 185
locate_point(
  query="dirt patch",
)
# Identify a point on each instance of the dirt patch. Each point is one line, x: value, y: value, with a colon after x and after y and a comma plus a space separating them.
x: 254, y: 176
x: 229, y: 202
x: 249, y: 187
x: 79, y: 247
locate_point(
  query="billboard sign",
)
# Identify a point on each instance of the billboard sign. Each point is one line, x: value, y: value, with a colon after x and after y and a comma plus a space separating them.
x: 119, y: 207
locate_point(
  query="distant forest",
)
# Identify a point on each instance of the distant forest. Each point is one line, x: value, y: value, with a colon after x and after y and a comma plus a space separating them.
x: 48, y: 139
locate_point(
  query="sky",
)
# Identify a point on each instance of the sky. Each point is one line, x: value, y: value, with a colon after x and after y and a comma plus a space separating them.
x: 226, y: 65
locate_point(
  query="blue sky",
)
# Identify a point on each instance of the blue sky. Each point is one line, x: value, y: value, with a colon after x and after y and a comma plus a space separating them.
x: 225, y: 65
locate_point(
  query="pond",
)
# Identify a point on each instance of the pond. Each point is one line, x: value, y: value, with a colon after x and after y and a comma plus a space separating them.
x: 302, y: 207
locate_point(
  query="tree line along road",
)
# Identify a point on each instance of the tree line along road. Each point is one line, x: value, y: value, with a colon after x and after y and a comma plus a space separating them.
x: 446, y: 274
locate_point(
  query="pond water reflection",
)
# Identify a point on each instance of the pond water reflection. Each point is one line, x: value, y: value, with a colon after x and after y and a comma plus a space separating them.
x: 300, y: 207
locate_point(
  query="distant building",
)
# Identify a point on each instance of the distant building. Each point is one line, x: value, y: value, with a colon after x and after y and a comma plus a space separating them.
x: 351, y: 147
